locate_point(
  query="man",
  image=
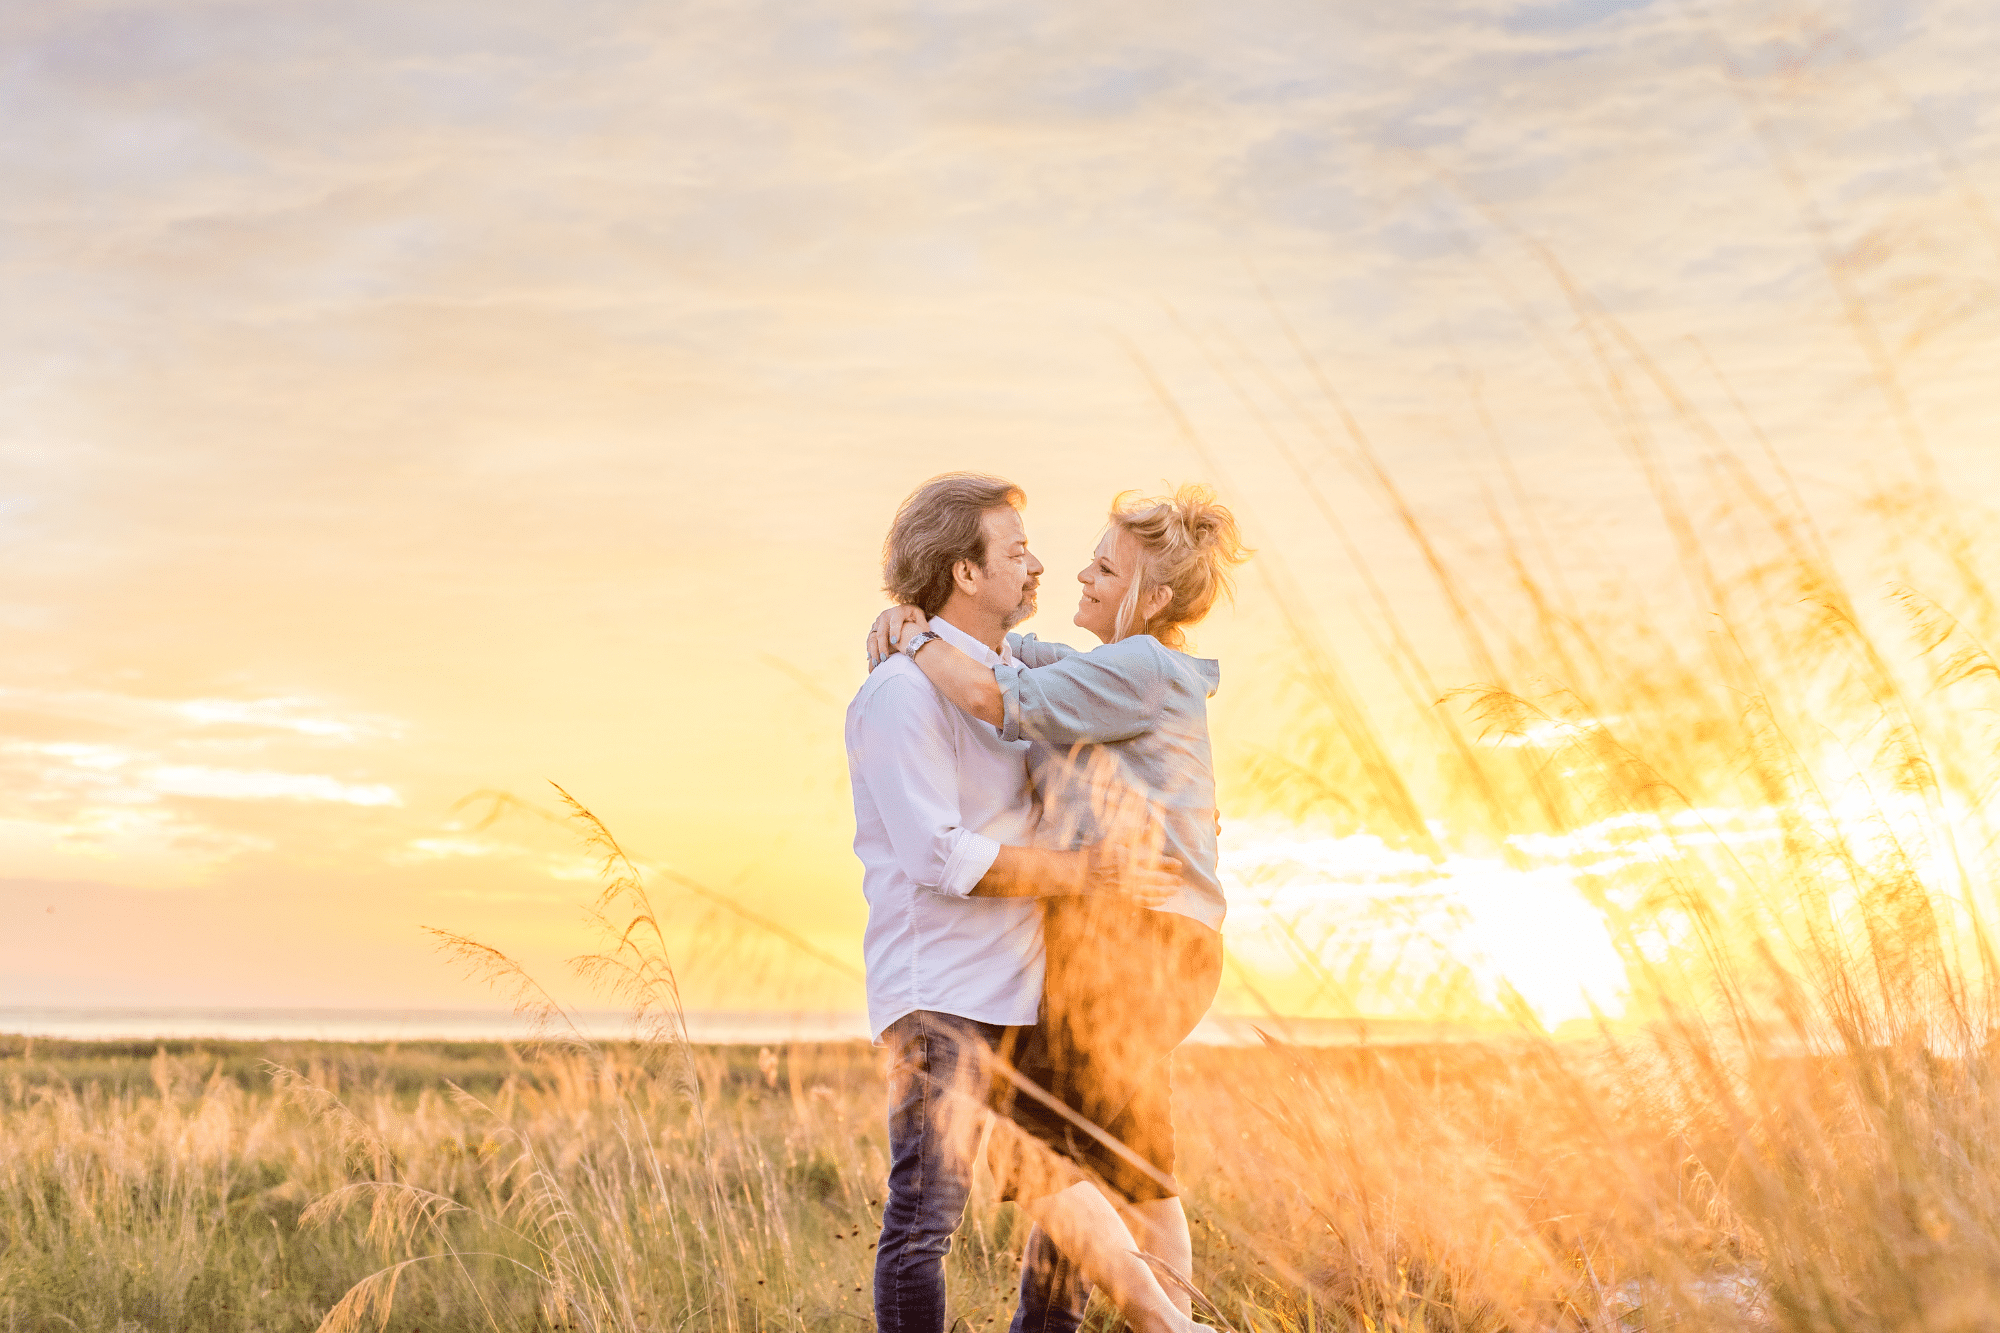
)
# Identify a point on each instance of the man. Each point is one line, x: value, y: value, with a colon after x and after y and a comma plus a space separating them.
x: 943, y: 813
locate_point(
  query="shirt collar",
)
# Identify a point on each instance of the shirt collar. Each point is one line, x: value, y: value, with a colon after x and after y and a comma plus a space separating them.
x: 970, y: 646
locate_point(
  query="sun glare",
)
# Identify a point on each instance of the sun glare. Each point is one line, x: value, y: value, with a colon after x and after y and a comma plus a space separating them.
x: 1324, y: 914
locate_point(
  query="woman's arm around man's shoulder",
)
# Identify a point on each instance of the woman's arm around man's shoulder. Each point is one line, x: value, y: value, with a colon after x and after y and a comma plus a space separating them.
x: 1033, y: 651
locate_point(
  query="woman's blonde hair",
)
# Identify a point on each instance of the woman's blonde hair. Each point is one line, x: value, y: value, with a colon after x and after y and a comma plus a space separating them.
x: 1187, y: 544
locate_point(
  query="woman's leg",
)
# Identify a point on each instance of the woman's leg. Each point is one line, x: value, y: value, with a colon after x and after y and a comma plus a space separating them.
x: 1120, y: 1081
x: 1088, y: 1230
x: 1160, y: 1227
x: 1053, y: 1293
x: 1186, y: 973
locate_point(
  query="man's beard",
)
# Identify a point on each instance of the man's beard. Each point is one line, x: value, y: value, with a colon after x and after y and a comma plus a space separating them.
x: 1024, y: 610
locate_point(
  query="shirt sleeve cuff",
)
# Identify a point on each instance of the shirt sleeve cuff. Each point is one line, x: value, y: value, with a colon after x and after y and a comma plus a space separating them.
x: 1009, y: 680
x: 971, y: 857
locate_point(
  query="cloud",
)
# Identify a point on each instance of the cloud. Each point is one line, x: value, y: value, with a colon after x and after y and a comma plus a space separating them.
x: 282, y: 714
x: 235, y: 784
x: 110, y: 774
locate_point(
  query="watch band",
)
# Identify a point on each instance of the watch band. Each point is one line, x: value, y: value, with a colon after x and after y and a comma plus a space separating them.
x: 916, y: 642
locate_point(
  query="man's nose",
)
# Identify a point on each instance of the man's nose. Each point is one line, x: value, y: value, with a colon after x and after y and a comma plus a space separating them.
x: 1034, y: 565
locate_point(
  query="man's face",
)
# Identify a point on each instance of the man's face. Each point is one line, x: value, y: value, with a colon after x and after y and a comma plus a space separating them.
x: 1008, y: 584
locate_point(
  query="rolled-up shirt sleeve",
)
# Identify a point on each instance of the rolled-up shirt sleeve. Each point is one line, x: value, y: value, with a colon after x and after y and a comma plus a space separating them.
x: 1032, y: 651
x: 908, y: 762
x: 1110, y: 693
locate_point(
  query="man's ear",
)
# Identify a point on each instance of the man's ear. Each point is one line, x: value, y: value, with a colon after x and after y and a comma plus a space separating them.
x: 962, y: 572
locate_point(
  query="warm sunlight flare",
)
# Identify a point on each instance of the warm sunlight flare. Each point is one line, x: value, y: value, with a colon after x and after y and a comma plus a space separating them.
x: 1350, y: 925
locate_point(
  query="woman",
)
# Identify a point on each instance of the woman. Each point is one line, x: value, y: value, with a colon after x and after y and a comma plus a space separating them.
x: 1120, y: 754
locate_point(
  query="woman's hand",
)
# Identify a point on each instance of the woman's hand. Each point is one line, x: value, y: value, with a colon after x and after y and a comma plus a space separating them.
x: 1121, y: 870
x: 889, y: 630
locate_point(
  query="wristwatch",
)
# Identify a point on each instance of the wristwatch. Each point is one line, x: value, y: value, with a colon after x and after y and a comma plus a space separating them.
x: 917, y: 641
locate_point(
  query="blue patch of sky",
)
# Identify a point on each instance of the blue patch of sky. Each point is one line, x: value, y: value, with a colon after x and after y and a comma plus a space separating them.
x: 1955, y: 116
x: 1247, y: 54
x: 1424, y: 235
x: 1272, y: 44
x: 1428, y: 129
x: 937, y: 41
x: 443, y: 31
x: 1791, y: 271
x: 1880, y: 25
x: 1482, y: 317
x: 1375, y: 304
x: 1523, y: 178
x: 1115, y: 90
x: 1567, y: 15
x: 1288, y: 90
x: 1519, y: 64
x: 1011, y: 64
x: 115, y: 50
x: 812, y: 40
x: 1096, y: 86
x: 1869, y: 32
x: 1299, y: 178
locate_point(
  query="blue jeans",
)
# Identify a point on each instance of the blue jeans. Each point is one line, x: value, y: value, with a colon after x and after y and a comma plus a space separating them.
x: 1053, y: 1293
x: 937, y: 1083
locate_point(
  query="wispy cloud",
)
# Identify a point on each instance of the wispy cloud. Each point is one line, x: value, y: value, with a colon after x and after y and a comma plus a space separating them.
x: 148, y: 766
x: 236, y: 784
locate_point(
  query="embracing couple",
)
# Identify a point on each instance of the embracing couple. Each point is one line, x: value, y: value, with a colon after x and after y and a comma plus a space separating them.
x: 1037, y: 830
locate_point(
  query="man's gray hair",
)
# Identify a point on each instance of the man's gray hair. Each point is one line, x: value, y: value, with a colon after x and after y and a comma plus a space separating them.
x: 938, y: 526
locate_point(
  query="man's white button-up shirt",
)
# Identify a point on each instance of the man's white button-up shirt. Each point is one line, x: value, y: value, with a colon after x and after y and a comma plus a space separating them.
x: 936, y: 794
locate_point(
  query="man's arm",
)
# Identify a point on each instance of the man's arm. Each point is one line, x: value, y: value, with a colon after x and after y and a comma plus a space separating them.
x: 1103, y: 868
x: 905, y: 757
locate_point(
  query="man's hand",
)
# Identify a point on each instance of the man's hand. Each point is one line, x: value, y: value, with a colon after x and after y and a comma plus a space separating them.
x: 886, y: 634
x: 1112, y: 869
x: 1124, y: 871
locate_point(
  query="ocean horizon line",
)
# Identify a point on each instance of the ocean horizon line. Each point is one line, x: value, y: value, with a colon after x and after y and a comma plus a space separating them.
x: 705, y: 1027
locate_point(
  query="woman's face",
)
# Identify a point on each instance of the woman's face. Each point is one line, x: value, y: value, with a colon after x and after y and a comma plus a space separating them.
x: 1105, y: 580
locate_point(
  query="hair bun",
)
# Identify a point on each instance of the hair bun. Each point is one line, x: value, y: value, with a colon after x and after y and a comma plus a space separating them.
x: 1199, y: 515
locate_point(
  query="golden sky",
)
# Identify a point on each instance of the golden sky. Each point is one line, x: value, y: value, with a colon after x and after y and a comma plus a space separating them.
x: 403, y: 400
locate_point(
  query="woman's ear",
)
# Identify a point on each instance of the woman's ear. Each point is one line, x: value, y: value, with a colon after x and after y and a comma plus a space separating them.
x: 1157, y: 600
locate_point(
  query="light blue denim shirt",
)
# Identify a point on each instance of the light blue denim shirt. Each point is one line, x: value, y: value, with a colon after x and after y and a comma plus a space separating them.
x: 1120, y: 747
